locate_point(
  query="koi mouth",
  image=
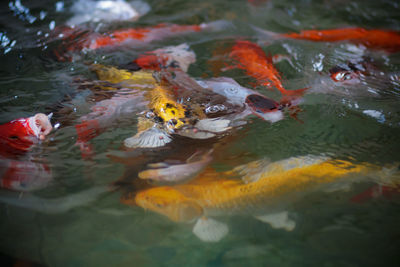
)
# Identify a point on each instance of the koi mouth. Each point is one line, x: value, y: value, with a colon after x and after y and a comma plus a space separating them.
x: 261, y: 104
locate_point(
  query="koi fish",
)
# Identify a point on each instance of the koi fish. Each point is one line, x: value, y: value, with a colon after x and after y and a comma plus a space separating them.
x: 264, y: 191
x: 165, y: 172
x: 376, y: 39
x: 177, y: 56
x: 253, y: 101
x: 74, y: 40
x: 387, y: 40
x: 137, y: 83
x: 354, y: 78
x: 53, y: 205
x: 375, y: 192
x: 165, y: 117
x: 150, y: 34
x: 19, y: 135
x: 252, y: 59
x: 23, y: 176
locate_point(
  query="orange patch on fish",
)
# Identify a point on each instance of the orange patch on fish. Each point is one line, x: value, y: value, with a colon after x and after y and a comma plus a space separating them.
x: 252, y: 59
x: 375, y: 38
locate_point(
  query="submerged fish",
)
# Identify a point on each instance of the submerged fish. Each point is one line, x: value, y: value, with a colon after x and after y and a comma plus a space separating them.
x: 354, y: 78
x: 77, y: 39
x: 387, y: 40
x: 165, y: 172
x: 24, y: 175
x: 252, y: 59
x: 264, y: 191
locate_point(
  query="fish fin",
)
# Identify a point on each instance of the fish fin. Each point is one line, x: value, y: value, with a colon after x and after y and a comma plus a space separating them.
x: 152, y: 137
x: 210, y: 230
x: 199, y: 155
x: 217, y: 25
x: 55, y: 205
x: 158, y: 165
x: 272, y: 116
x: 195, y: 133
x: 278, y: 220
x: 213, y: 125
x: 264, y: 33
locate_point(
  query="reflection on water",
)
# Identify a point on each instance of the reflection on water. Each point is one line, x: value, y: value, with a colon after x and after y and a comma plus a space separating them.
x: 233, y: 176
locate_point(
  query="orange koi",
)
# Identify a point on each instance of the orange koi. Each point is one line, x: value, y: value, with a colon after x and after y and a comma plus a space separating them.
x: 376, y: 39
x: 251, y: 57
x: 74, y: 40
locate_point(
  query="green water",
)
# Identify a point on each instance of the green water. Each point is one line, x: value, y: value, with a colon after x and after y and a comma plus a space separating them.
x: 330, y: 229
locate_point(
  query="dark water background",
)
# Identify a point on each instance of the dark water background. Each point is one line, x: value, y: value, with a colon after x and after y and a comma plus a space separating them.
x: 330, y: 231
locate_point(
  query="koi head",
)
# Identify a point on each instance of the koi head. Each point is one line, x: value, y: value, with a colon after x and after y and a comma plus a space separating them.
x: 264, y: 107
x: 229, y: 88
x: 169, y: 202
x: 43, y: 125
x: 345, y: 74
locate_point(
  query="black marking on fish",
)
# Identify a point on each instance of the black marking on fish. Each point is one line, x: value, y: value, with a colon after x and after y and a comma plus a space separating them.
x: 261, y: 104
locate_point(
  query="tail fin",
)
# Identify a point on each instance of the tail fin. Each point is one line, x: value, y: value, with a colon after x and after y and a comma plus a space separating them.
x: 264, y: 34
x: 51, y: 206
x: 217, y: 25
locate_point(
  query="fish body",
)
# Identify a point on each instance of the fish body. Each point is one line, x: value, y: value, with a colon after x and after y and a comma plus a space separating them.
x: 124, y: 101
x: 271, y: 191
x: 23, y: 176
x: 148, y: 34
x: 372, y: 38
x: 171, y: 56
x: 252, y: 59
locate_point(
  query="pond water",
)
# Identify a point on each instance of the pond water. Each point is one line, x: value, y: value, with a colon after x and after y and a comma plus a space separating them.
x: 98, y: 230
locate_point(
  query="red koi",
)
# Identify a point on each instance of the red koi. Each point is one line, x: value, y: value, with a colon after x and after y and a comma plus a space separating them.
x: 376, y: 39
x: 375, y: 192
x: 74, y: 40
x: 19, y: 135
x: 143, y: 34
x: 251, y: 57
x: 23, y: 175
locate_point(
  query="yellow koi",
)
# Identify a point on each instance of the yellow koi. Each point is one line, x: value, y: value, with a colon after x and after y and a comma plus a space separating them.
x: 271, y: 188
x: 114, y: 75
x: 163, y: 104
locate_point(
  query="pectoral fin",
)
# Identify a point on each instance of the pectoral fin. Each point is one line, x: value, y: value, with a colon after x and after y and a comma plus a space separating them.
x: 150, y: 138
x: 210, y: 230
x: 213, y: 125
x: 278, y: 220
